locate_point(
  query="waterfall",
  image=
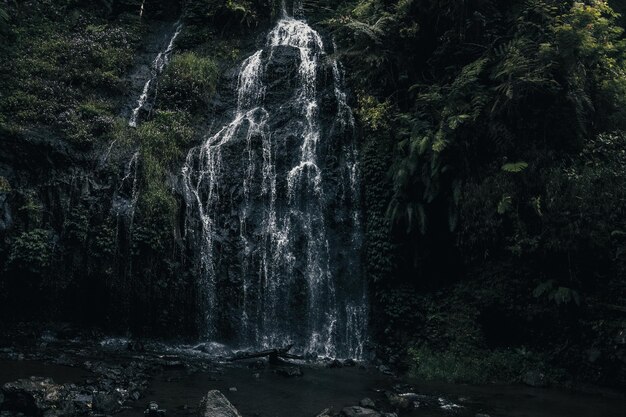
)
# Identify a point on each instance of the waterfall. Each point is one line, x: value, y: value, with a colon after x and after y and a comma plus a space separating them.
x: 158, y: 65
x: 127, y: 206
x: 273, y: 200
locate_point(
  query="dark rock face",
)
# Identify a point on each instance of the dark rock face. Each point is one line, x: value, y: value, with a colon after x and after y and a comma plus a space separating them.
x: 215, y: 404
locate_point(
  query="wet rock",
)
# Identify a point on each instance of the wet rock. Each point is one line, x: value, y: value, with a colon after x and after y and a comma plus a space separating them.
x: 289, y: 371
x: 174, y: 365
x: 153, y: 410
x: 593, y: 355
x: 33, y: 396
x: 135, y: 346
x: 397, y: 401
x: 349, y: 362
x: 324, y: 413
x: 82, y: 402
x: 282, y: 73
x: 214, y: 404
x: 535, y: 378
x: 359, y: 412
x: 385, y: 370
x: 411, y: 400
x: 448, y: 405
x: 213, y: 349
x: 367, y: 403
x: 335, y: 364
x: 260, y: 364
x: 107, y: 402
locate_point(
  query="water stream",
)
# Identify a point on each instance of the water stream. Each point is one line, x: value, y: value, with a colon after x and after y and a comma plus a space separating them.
x: 158, y: 65
x: 275, y: 192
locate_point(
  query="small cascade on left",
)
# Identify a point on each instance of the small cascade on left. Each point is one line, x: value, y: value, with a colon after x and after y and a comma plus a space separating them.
x: 128, y: 189
x: 127, y: 192
x: 156, y: 69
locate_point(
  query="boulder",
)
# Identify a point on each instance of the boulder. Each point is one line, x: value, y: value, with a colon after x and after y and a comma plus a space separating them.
x: 214, y: 404
x: 398, y: 401
x: 289, y: 371
x: 535, y: 378
x: 367, y: 403
x: 107, y: 402
x: 357, y: 411
x: 33, y: 396
x: 335, y: 364
x: 324, y: 413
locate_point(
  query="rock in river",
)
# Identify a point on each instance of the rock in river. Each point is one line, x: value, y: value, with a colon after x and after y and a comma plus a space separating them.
x: 214, y: 404
x: 359, y: 412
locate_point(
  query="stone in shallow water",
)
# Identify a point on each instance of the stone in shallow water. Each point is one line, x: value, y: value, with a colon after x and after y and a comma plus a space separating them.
x: 107, y: 402
x: 324, y: 413
x: 289, y: 371
x: 37, y: 396
x: 367, y: 403
x: 359, y: 412
x: 535, y: 378
x: 214, y: 404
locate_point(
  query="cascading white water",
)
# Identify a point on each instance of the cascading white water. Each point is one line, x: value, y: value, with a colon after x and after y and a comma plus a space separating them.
x: 158, y: 65
x: 278, y: 253
x: 130, y: 175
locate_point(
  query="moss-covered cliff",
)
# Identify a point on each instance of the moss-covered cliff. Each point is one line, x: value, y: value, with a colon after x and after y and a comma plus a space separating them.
x: 492, y: 150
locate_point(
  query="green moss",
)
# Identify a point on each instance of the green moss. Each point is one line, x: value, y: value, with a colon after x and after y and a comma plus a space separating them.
x: 162, y: 140
x: 59, y: 55
x: 189, y: 81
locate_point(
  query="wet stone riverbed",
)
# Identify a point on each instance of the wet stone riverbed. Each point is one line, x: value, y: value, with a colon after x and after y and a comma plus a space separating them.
x: 105, y: 377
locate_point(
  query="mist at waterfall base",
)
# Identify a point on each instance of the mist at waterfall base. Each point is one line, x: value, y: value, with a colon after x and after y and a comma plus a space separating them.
x: 273, y: 205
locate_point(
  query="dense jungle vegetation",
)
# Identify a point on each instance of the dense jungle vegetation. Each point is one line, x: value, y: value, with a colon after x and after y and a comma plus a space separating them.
x: 493, y: 154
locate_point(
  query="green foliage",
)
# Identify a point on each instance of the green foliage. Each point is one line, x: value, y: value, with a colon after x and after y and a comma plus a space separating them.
x: 505, y: 204
x: 5, y: 186
x: 77, y: 225
x: 189, y: 81
x: 229, y: 13
x: 535, y: 81
x: 59, y: 56
x: 162, y: 142
x: 373, y: 114
x: 31, y: 251
x: 475, y: 367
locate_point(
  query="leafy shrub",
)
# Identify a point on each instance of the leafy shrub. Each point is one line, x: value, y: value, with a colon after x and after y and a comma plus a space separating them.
x: 31, y: 251
x: 476, y: 367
